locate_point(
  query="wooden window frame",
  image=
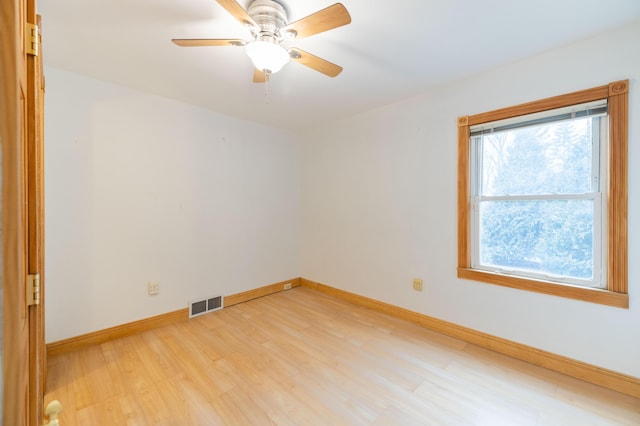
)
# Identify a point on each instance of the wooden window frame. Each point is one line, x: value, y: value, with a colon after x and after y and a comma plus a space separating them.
x: 617, y: 95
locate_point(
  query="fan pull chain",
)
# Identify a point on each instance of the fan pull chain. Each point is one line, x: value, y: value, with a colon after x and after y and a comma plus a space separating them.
x: 266, y: 87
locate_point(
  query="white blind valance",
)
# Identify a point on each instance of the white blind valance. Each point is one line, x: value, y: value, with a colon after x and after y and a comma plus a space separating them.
x: 588, y: 109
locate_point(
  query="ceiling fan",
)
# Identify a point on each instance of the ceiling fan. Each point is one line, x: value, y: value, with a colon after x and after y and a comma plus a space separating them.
x: 268, y: 22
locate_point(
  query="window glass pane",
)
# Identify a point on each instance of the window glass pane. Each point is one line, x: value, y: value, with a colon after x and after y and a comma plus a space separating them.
x: 550, y: 236
x: 546, y: 159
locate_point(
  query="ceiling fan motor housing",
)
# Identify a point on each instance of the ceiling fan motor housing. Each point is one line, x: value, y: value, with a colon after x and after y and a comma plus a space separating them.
x: 270, y: 17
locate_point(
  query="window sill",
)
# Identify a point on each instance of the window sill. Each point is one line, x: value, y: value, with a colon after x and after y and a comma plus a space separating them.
x: 593, y: 295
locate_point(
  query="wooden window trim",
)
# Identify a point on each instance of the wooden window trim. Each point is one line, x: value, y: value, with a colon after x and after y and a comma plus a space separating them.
x: 617, y: 95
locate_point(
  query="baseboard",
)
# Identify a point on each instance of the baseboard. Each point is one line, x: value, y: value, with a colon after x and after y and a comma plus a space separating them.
x: 245, y: 296
x: 589, y: 373
x: 101, y: 336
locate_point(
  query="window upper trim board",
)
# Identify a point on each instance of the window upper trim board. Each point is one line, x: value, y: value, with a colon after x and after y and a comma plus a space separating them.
x: 616, y: 94
x: 589, y: 95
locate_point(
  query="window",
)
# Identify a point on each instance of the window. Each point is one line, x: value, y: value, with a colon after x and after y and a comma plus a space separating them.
x: 542, y: 202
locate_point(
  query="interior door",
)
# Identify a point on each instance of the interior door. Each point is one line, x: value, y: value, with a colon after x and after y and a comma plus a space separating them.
x: 15, y: 342
x: 35, y: 216
x: 20, y: 122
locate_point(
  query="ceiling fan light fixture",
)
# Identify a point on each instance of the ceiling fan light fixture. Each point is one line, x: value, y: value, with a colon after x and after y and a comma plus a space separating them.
x: 267, y: 56
x: 268, y: 23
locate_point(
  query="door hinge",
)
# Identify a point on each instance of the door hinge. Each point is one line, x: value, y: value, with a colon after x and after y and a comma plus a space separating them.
x: 33, y: 289
x: 31, y: 40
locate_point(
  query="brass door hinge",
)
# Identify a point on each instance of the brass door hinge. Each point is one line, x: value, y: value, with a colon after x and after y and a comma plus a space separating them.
x: 33, y: 289
x: 31, y: 40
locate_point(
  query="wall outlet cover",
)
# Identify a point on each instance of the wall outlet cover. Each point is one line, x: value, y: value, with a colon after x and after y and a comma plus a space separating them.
x: 153, y: 288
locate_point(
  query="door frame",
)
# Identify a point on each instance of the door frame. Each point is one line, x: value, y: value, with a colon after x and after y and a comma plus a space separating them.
x: 22, y: 372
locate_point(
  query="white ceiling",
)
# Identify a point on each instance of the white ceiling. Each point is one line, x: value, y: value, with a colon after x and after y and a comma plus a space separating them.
x: 393, y: 49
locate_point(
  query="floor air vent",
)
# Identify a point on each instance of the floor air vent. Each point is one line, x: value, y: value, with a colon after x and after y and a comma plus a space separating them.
x: 201, y: 307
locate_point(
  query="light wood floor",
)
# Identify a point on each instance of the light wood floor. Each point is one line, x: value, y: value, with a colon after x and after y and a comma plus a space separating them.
x: 303, y: 358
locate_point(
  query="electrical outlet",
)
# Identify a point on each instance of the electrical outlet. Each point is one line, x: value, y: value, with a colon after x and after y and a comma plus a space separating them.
x: 153, y: 288
x: 287, y: 286
x: 417, y: 284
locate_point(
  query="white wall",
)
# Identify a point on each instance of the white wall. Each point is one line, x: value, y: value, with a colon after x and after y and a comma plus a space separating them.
x: 379, y: 206
x: 141, y: 188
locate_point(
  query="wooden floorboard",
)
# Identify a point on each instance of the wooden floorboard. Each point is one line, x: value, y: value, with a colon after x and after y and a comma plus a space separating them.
x: 301, y: 357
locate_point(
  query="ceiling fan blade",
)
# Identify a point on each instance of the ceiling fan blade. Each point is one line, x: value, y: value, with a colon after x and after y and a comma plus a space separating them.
x: 323, y: 20
x: 195, y: 42
x: 315, y: 62
x: 238, y: 12
x: 259, y: 76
